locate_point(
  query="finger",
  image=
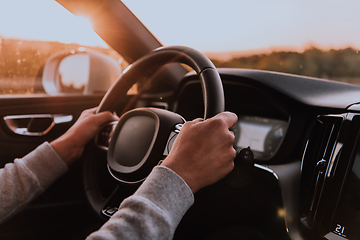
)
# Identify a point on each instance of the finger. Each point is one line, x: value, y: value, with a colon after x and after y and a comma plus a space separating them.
x: 104, y: 117
x: 229, y: 118
x: 88, y: 112
x: 193, y: 122
x: 197, y: 120
x: 232, y: 133
x: 91, y: 110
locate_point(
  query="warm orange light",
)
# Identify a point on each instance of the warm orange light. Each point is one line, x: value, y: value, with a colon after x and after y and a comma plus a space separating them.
x: 281, y: 212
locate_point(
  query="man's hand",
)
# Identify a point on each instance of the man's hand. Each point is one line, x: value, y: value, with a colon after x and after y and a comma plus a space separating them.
x: 70, y: 146
x: 203, y: 152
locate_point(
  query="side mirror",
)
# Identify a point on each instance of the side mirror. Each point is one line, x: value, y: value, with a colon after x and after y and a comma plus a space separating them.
x: 81, y: 71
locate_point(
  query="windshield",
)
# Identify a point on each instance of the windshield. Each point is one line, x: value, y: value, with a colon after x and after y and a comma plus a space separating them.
x: 312, y: 38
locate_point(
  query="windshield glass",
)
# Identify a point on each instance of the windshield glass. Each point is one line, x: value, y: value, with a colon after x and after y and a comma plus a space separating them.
x: 312, y: 38
x: 31, y: 32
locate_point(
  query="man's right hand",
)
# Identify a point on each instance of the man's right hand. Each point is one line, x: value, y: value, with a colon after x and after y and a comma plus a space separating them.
x: 203, y: 152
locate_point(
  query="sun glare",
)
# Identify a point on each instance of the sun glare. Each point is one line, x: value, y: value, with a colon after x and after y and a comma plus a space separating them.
x: 31, y: 22
x: 84, y: 23
x: 83, y: 32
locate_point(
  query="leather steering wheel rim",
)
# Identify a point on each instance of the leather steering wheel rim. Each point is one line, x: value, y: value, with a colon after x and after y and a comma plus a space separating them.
x: 210, y: 79
x: 212, y: 93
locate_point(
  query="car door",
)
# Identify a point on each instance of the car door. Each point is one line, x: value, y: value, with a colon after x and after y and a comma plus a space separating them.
x: 38, y: 105
x: 62, y: 209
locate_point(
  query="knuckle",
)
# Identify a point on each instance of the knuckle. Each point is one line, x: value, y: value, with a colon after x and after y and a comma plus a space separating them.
x: 231, y: 166
x: 234, y: 115
x: 198, y: 120
x: 232, y: 153
x: 228, y: 168
x: 216, y: 123
x: 108, y: 114
x: 232, y: 136
x: 187, y: 125
x: 229, y: 139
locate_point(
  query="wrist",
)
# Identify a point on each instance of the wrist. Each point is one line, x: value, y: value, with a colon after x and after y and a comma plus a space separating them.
x: 68, y: 150
x: 183, y: 174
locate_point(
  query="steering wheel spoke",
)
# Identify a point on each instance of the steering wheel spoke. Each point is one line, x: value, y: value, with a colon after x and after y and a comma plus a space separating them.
x: 103, y: 138
x: 173, y: 135
x: 112, y: 203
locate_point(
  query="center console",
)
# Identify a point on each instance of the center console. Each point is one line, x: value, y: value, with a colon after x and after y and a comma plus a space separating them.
x: 330, y: 179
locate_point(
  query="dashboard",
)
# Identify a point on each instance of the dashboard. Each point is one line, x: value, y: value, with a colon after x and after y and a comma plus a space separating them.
x: 307, y: 154
x: 305, y: 135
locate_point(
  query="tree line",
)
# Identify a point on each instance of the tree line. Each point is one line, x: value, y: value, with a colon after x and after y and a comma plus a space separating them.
x: 341, y: 65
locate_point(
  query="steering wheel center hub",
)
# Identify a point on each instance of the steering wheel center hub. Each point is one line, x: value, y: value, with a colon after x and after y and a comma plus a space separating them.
x: 139, y: 141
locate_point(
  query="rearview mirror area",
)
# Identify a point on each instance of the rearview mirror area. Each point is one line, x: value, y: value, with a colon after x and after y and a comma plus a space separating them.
x: 79, y: 71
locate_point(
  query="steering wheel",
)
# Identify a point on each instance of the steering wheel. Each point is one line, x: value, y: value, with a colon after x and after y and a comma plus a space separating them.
x: 144, y: 136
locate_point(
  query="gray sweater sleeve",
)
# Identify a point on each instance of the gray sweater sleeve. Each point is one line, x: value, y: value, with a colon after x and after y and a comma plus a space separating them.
x: 152, y: 212
x: 27, y: 178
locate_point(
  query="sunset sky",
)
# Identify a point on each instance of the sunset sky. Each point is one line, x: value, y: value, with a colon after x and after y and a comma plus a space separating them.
x: 44, y: 20
x: 209, y: 26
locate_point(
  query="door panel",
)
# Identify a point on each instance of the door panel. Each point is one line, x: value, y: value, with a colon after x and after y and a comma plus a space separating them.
x: 13, y: 145
x: 62, y: 211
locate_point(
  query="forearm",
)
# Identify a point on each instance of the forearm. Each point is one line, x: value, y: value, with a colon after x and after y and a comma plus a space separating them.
x: 153, y: 212
x: 26, y: 178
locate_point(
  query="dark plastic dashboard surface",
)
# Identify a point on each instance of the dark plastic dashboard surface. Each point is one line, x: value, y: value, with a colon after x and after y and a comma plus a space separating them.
x: 270, y: 95
x: 306, y: 90
x: 300, y: 102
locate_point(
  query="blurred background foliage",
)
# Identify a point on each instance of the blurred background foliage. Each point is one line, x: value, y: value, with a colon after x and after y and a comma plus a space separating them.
x: 341, y: 65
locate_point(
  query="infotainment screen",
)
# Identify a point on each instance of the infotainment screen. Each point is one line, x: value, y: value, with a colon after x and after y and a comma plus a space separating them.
x: 346, y: 220
x: 262, y: 135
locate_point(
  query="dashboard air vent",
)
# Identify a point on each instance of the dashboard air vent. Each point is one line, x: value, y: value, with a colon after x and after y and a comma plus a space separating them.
x: 317, y: 156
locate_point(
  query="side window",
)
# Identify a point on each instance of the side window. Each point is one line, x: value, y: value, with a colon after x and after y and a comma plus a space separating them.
x: 77, y: 69
x: 37, y: 58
